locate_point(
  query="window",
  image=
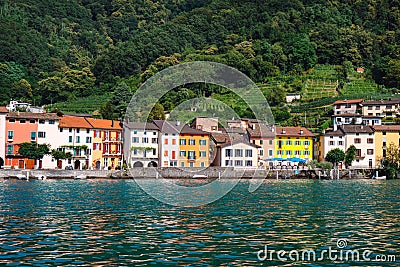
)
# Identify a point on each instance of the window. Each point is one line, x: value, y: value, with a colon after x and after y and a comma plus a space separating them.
x: 358, y: 152
x: 228, y: 153
x: 173, y: 154
x: 238, y: 163
x: 228, y: 162
x: 279, y: 152
x: 33, y: 136
x: 166, y: 153
x: 357, y: 140
x: 384, y: 144
x: 384, y: 153
x: 166, y: 141
x: 134, y: 132
x: 182, y: 142
x: 261, y: 142
x: 203, y: 142
x: 340, y: 143
x: 331, y: 143
x: 32, y: 121
x: 270, y: 152
x: 41, y: 121
x: 192, y: 142
x: 376, y: 107
x: 51, y: 121
x: 135, y: 152
x: 154, y: 140
x: 383, y: 133
x: 238, y: 153
x: 78, y: 139
x: 388, y: 106
x: 182, y: 153
x: 270, y: 142
x: 135, y: 139
x: 10, y: 135
x: 70, y: 139
x: 61, y: 130
x: 306, y: 143
x: 280, y: 144
x: 41, y: 134
x: 288, y: 152
x: 213, y: 128
x: 88, y: 139
x: 145, y: 140
x: 203, y: 154
x: 11, y: 120
x: 297, y: 143
x: 370, y: 140
x: 22, y: 121
x: 202, y: 164
x: 174, y: 141
x: 306, y: 153
x: 249, y: 153
x: 249, y: 163
x: 369, y: 107
x: 144, y: 133
x: 78, y: 130
x: 10, y: 149
x: 182, y: 164
x: 191, y: 154
x: 261, y: 152
x: 370, y: 151
x: 288, y: 142
x: 88, y: 131
x: 154, y: 133
x: 348, y: 105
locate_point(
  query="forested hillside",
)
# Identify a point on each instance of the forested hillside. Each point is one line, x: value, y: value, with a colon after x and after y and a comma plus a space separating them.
x: 54, y: 51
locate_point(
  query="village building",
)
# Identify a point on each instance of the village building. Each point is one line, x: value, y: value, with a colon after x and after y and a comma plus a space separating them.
x: 294, y: 142
x: 347, y: 106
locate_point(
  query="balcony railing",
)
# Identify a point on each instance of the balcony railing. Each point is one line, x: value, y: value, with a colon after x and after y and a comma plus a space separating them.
x: 112, y: 139
x: 112, y: 153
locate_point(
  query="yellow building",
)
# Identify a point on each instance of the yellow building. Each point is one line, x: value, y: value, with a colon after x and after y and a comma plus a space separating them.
x: 384, y: 136
x: 194, y: 148
x: 107, y: 143
x: 294, y: 142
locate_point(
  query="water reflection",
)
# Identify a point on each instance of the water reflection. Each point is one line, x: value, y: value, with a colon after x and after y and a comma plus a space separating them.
x: 113, y: 222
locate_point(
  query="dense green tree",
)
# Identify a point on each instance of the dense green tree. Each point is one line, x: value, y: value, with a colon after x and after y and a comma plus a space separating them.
x: 335, y: 156
x: 350, y: 155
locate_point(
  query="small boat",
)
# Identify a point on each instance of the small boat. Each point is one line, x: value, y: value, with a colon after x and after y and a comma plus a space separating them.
x: 41, y: 177
x: 380, y: 177
x: 200, y: 176
x: 80, y: 176
x: 23, y: 177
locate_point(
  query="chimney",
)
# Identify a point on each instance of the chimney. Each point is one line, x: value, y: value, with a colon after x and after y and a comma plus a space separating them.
x: 112, y: 123
x: 283, y: 131
x: 301, y: 131
x: 178, y: 123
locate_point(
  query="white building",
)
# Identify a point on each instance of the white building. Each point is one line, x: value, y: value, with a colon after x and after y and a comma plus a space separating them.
x: 347, y: 106
x: 168, y: 142
x: 76, y: 137
x: 141, y: 147
x: 332, y: 140
x: 238, y: 154
x: 381, y: 108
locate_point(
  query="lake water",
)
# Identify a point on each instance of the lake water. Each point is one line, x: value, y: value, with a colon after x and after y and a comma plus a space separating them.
x: 114, y: 223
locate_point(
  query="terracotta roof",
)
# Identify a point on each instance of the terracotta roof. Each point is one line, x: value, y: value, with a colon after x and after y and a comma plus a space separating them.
x: 74, y: 122
x: 188, y: 130
x: 386, y: 128
x: 356, y: 129
x: 3, y: 110
x: 239, y: 142
x: 31, y: 115
x: 104, y: 124
x: 350, y: 101
x: 260, y: 131
x: 293, y: 132
x: 347, y: 115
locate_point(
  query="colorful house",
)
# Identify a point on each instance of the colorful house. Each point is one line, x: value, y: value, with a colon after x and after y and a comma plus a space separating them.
x: 3, y: 114
x: 294, y: 142
x: 107, y: 143
x: 384, y: 136
x: 263, y: 136
x: 168, y: 145
x: 194, y: 147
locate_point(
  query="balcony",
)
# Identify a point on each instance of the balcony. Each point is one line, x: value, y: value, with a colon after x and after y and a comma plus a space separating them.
x: 112, y: 153
x: 10, y: 138
x: 191, y: 158
x: 112, y: 140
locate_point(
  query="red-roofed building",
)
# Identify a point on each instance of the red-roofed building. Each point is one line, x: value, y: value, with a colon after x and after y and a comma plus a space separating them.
x: 347, y: 106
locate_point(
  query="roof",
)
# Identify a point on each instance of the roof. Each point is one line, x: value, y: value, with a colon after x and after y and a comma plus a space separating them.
x: 74, y: 122
x: 141, y: 126
x: 382, y: 102
x: 334, y: 133
x: 347, y: 115
x: 221, y: 138
x: 239, y: 142
x: 188, y: 130
x: 350, y: 101
x: 387, y: 128
x: 293, y: 131
x: 168, y: 126
x: 104, y: 124
x: 356, y: 129
x: 260, y: 131
x: 31, y: 115
x: 3, y: 110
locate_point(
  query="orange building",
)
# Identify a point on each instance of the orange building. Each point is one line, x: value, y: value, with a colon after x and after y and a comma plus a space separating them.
x: 194, y: 146
x: 107, y: 143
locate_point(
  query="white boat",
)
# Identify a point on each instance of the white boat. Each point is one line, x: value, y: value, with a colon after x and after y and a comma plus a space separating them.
x: 22, y: 177
x: 380, y: 177
x: 80, y: 176
x: 41, y: 177
x: 200, y: 176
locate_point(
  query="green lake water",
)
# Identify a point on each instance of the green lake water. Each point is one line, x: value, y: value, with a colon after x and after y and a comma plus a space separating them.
x: 114, y: 223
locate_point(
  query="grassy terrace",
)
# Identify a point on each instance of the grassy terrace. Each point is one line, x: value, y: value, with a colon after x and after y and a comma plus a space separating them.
x: 81, y: 105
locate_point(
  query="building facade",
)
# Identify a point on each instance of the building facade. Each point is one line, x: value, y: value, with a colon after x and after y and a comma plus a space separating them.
x: 294, y: 142
x: 194, y: 146
x: 385, y: 135
x: 347, y: 106
x: 264, y: 137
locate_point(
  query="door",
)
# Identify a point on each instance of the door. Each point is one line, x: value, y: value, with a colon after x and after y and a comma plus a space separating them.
x: 98, y: 165
x: 77, y: 165
x: 21, y: 164
x: 59, y: 164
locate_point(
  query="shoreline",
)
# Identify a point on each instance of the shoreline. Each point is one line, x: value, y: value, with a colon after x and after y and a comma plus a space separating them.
x: 188, y: 173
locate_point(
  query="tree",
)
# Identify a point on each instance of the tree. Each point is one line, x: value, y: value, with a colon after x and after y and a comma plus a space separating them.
x: 59, y: 154
x: 350, y: 155
x: 391, y: 162
x: 335, y: 156
x: 33, y: 150
x: 157, y: 113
